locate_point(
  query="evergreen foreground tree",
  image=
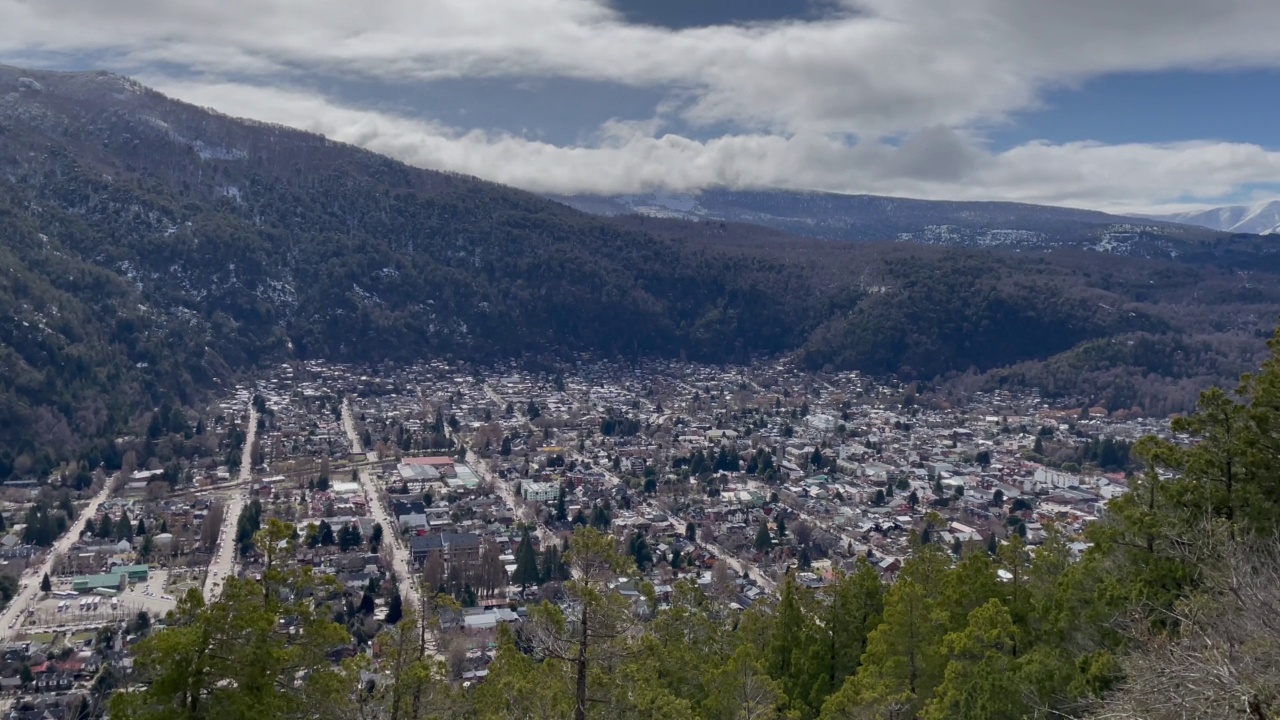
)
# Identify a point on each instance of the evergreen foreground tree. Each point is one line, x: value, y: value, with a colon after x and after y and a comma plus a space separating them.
x: 230, y: 660
x: 594, y: 637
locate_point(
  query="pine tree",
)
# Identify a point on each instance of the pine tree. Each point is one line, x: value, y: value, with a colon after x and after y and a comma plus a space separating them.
x: 46, y: 585
x: 764, y: 540
x: 981, y: 681
x: 395, y: 608
x: 562, y: 514
x: 526, y: 573
x: 349, y: 537
x: 640, y: 552
x: 142, y: 528
x: 788, y: 625
x: 903, y: 662
x: 326, y: 534
x: 600, y: 518
x: 553, y: 567
x: 782, y: 527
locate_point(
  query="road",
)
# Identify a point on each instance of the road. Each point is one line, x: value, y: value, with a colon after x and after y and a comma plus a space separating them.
x: 522, y: 510
x: 494, y: 396
x: 378, y: 510
x: 30, y: 588
x: 743, y: 570
x: 224, y: 559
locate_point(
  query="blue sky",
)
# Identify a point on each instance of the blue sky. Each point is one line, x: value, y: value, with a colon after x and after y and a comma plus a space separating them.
x: 1145, y: 105
x: 1169, y: 106
x: 680, y: 14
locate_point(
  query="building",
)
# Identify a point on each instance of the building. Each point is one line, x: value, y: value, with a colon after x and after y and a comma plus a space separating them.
x: 92, y: 583
x: 450, y: 546
x: 539, y: 491
x: 118, y: 579
x: 135, y: 573
x: 441, y: 464
x: 418, y: 472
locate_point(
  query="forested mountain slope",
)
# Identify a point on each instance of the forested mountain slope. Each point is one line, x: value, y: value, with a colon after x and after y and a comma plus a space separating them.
x: 180, y: 246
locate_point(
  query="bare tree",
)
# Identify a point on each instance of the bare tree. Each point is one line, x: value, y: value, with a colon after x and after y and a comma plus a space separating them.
x: 1223, y: 661
x: 721, y: 582
x: 803, y: 532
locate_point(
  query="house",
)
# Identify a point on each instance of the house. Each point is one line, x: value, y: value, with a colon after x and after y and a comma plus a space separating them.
x: 53, y: 682
x: 888, y: 568
x: 450, y: 546
x: 412, y: 522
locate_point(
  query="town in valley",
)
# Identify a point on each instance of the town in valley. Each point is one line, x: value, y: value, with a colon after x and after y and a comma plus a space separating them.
x: 451, y: 488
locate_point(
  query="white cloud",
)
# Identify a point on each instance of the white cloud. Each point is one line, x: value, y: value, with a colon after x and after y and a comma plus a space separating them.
x: 794, y: 94
x: 936, y: 163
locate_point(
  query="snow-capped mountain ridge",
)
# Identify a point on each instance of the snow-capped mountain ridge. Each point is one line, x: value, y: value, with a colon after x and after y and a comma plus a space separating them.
x: 1259, y: 219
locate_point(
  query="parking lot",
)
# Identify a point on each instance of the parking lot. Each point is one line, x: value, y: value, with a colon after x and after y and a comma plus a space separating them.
x: 80, y: 611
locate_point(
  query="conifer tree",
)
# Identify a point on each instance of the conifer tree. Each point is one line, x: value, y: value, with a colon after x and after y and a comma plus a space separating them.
x: 764, y: 540
x: 526, y: 572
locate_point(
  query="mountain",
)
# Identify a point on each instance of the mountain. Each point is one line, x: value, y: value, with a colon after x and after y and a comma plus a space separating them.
x: 152, y: 250
x: 866, y: 218
x: 1260, y: 219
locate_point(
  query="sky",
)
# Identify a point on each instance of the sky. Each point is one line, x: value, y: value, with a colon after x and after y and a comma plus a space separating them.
x: 1121, y: 105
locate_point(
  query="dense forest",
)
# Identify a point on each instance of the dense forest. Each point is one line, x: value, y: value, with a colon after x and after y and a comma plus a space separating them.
x: 150, y: 250
x: 1168, y: 613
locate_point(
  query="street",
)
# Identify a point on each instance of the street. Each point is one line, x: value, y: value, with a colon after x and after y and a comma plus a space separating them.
x: 223, y: 563
x: 408, y: 585
x: 30, y: 585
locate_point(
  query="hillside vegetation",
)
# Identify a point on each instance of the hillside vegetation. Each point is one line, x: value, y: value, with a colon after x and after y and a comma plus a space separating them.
x: 152, y: 249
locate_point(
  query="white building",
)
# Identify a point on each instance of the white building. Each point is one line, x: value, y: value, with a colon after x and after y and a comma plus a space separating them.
x: 539, y: 491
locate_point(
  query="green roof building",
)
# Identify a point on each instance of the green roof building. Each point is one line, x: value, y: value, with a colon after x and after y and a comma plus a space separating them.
x: 135, y: 573
x: 90, y: 583
x: 117, y: 579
